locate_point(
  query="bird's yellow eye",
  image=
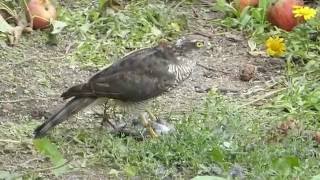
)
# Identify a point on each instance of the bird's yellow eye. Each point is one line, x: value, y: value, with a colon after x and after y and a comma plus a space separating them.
x: 199, y: 44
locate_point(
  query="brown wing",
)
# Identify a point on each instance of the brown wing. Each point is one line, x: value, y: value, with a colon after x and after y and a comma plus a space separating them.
x: 138, y: 76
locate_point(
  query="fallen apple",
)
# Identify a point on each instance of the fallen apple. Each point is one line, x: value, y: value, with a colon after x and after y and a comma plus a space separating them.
x: 280, y: 14
x: 241, y: 4
x: 42, y: 12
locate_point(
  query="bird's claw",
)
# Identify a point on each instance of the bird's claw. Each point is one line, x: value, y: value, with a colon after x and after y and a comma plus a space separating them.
x: 152, y: 133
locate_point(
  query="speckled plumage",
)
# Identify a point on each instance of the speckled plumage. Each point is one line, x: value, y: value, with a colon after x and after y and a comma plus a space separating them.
x: 137, y: 77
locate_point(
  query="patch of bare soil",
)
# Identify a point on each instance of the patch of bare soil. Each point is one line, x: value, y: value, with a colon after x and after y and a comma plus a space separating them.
x: 228, y: 68
x: 33, y: 75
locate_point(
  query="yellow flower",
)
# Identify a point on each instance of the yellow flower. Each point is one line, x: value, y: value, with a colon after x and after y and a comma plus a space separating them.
x: 305, y: 12
x: 275, y: 46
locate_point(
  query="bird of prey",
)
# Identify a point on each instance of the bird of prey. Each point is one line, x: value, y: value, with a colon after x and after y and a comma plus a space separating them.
x: 136, y: 78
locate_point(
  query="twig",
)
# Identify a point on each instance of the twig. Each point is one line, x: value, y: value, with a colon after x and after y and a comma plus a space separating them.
x: 209, y: 34
x: 14, y: 141
x: 261, y: 89
x: 44, y: 169
x: 29, y: 13
x: 211, y: 69
x: 206, y: 3
x: 57, y: 58
x: 10, y: 141
x: 194, y: 11
x: 228, y: 90
x: 29, y: 161
x: 178, y: 4
x: 269, y: 94
x: 27, y: 99
x: 52, y: 168
x: 68, y: 48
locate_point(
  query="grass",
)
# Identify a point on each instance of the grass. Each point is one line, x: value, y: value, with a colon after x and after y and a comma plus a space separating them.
x: 220, y: 138
x: 301, y: 99
x: 208, y: 141
x: 105, y: 34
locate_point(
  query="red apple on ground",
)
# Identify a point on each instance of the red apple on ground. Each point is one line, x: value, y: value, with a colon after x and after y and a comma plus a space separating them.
x: 41, y: 12
x: 241, y: 4
x: 280, y: 14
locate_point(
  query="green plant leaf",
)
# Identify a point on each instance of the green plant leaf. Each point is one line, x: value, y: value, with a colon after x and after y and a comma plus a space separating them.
x: 58, y: 26
x: 244, y: 18
x: 45, y: 147
x: 285, y: 164
x: 223, y: 6
x: 175, y: 26
x: 85, y: 27
x: 4, y: 26
x: 130, y: 170
x: 217, y: 154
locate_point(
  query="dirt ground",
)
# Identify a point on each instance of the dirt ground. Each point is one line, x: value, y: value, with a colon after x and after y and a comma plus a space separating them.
x: 34, y: 74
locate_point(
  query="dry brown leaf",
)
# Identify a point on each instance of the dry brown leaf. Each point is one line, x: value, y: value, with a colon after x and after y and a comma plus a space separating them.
x: 287, y: 125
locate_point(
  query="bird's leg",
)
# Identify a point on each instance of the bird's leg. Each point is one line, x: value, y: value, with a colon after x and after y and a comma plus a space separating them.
x: 152, y: 116
x: 148, y: 126
x: 106, y: 116
x: 161, y: 127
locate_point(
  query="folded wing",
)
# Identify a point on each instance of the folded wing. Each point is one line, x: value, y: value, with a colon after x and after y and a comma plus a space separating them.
x: 134, y: 78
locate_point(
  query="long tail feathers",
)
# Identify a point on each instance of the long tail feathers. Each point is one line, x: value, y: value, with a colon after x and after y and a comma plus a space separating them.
x: 73, y: 106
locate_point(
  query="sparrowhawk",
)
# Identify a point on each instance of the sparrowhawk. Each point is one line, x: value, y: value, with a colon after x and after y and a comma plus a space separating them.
x: 136, y: 78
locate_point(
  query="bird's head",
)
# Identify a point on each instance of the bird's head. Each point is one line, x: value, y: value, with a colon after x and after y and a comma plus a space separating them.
x: 188, y: 44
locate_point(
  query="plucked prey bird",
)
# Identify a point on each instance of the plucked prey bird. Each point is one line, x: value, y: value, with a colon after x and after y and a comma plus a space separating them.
x: 133, y: 80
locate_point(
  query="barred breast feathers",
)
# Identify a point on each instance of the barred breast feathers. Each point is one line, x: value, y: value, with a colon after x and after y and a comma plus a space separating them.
x: 181, y: 71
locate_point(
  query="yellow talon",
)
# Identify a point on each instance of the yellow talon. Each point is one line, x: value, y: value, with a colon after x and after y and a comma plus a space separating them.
x: 152, y: 133
x: 148, y: 126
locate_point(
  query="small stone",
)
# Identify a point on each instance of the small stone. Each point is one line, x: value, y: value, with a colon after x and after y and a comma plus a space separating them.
x: 316, y: 137
x: 233, y: 37
x: 7, y: 107
x: 227, y: 144
x: 262, y: 69
x: 38, y: 114
x: 202, y: 89
x: 238, y: 172
x: 247, y: 72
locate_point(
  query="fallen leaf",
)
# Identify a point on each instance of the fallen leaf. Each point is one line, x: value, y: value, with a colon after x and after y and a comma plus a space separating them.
x: 287, y: 125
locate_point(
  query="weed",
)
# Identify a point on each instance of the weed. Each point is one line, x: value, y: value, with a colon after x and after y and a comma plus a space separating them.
x: 302, y: 52
x: 207, y: 142
x: 104, y: 36
x: 218, y: 138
